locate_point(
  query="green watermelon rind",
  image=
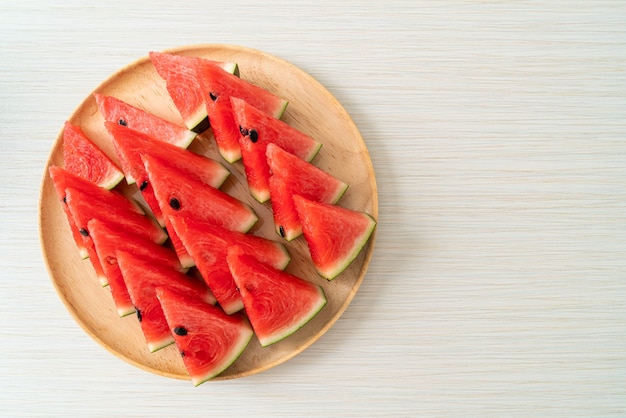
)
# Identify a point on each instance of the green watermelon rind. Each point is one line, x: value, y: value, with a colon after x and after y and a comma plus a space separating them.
x: 272, y: 339
x: 240, y: 347
x: 332, y: 272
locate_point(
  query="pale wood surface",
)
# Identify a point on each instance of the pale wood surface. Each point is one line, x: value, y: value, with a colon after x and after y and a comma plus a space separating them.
x: 497, y: 133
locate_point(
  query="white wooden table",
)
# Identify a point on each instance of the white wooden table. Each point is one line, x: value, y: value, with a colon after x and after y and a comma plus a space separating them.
x: 498, y: 134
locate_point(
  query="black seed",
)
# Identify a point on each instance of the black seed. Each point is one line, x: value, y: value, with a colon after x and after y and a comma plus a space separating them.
x: 212, y: 96
x: 182, y: 354
x: 122, y: 122
x: 138, y: 314
x: 174, y: 203
x: 83, y: 232
x: 254, y: 135
x: 65, y: 199
x: 180, y: 331
x: 243, y: 131
x: 281, y: 230
x: 143, y: 185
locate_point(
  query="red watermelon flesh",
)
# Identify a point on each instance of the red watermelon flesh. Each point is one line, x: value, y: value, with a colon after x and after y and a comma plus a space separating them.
x: 81, y: 156
x: 184, y: 87
x: 142, y: 277
x: 62, y: 179
x: 117, y: 111
x: 292, y: 175
x: 257, y: 131
x: 208, y: 245
x: 180, y: 195
x: 219, y: 86
x: 335, y: 235
x: 208, y: 340
x: 276, y: 302
x: 107, y: 241
x: 130, y: 145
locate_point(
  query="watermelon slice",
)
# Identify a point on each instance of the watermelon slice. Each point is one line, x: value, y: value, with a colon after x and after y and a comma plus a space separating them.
x: 180, y: 195
x: 83, y: 208
x: 335, y: 235
x: 208, y: 245
x: 208, y: 340
x: 142, y: 277
x: 107, y: 241
x: 117, y: 111
x: 276, y: 302
x: 62, y: 179
x: 219, y: 86
x: 81, y: 156
x: 291, y: 175
x: 257, y: 130
x: 130, y: 144
x: 184, y: 86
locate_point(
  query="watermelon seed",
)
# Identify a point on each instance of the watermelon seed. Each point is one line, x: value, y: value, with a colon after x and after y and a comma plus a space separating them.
x: 65, y: 199
x: 143, y: 186
x: 138, y: 314
x: 174, y: 203
x: 182, y: 331
x: 254, y: 135
x: 122, y: 122
x: 243, y: 131
x: 182, y: 354
x: 213, y: 96
x: 83, y: 232
x: 281, y: 230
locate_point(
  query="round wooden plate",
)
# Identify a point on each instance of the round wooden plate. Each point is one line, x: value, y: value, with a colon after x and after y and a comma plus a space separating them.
x: 311, y: 109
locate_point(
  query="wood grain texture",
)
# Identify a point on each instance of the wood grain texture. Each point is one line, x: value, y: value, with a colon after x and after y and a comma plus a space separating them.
x: 496, y: 131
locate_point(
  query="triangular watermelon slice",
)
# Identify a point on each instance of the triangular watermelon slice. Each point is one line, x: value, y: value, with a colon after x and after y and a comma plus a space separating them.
x: 292, y: 175
x: 219, y: 86
x: 335, y: 235
x: 130, y: 144
x: 276, y: 302
x: 208, y: 245
x: 83, y: 208
x: 81, y: 156
x: 117, y: 111
x: 142, y: 277
x: 63, y: 179
x: 208, y: 340
x: 184, y: 86
x: 180, y: 195
x: 257, y: 130
x: 108, y: 240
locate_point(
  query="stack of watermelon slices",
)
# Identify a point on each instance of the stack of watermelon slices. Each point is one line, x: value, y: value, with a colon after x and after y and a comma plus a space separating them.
x: 207, y: 230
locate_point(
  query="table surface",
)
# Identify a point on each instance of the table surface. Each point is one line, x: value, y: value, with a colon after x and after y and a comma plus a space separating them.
x: 497, y: 132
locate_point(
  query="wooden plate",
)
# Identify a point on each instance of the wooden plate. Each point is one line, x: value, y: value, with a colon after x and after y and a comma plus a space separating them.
x: 311, y: 109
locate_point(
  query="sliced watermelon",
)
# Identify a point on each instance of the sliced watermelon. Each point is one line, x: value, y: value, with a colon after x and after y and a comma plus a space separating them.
x: 180, y: 195
x: 108, y: 240
x: 291, y: 175
x: 130, y: 144
x: 84, y: 209
x: 208, y: 245
x: 81, y: 156
x: 63, y: 179
x: 117, y: 111
x: 208, y: 340
x: 184, y: 86
x: 257, y: 130
x: 335, y: 235
x: 142, y: 277
x: 219, y: 86
x: 276, y: 302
